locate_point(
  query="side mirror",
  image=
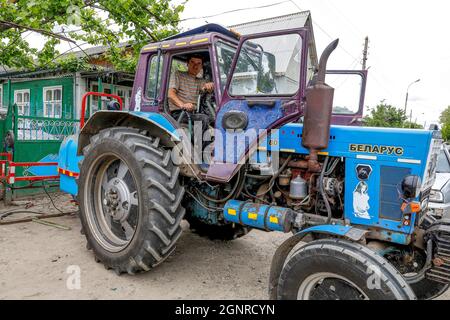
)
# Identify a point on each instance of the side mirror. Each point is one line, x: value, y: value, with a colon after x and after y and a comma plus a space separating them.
x: 113, y: 105
x: 266, y: 73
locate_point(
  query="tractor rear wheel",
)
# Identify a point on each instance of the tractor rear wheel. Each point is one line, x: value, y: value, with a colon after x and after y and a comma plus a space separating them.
x: 335, y: 269
x: 130, y: 200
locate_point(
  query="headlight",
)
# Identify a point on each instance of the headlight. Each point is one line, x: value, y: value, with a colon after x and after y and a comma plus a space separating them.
x: 411, y: 186
x: 436, y: 196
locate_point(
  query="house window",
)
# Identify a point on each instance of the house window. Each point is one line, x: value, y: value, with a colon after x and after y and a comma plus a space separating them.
x: 1, y: 96
x: 22, y: 100
x: 94, y: 99
x: 125, y: 95
x: 53, y: 102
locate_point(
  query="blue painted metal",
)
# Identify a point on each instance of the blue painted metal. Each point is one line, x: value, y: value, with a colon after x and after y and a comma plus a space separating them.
x: 68, y: 160
x: 159, y: 120
x: 260, y: 117
x: 45, y: 170
x: 331, y: 229
x: 413, y: 148
x: 259, y: 216
x: 199, y: 211
x: 232, y: 209
x: 415, y: 143
x: 279, y: 219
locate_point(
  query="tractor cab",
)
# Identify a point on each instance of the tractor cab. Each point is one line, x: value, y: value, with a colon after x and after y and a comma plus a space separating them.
x: 259, y: 83
x: 272, y: 68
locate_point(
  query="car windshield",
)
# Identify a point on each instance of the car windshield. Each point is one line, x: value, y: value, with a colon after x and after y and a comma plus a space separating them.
x: 442, y: 163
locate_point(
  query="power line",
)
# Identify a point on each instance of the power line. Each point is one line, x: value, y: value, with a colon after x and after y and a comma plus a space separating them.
x: 379, y: 82
x: 361, y: 34
x: 324, y: 31
x: 236, y: 10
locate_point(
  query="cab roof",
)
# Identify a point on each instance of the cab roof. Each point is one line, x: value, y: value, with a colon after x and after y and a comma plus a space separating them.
x: 192, y: 38
x: 207, y: 28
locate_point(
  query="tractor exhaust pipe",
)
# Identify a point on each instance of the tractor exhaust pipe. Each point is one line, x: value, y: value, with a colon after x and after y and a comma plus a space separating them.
x: 318, y: 111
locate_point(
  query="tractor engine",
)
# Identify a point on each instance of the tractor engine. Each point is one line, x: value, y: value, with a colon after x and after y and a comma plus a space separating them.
x: 301, y: 190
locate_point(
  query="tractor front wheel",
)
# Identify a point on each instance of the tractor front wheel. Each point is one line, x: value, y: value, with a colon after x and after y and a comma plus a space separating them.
x: 334, y: 269
x: 130, y: 200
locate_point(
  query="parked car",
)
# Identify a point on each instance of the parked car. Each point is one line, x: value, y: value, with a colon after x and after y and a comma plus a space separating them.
x: 440, y: 193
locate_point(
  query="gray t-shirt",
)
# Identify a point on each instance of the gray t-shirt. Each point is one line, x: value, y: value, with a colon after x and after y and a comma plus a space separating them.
x: 187, y: 88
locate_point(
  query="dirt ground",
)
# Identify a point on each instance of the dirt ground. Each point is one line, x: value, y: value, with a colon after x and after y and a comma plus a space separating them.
x: 34, y: 262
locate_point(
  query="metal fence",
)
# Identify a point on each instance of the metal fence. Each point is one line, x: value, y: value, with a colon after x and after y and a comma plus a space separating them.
x: 44, y: 129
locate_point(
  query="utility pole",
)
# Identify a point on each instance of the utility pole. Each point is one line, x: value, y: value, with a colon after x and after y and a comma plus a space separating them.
x: 407, y: 93
x: 410, y: 119
x: 365, y: 53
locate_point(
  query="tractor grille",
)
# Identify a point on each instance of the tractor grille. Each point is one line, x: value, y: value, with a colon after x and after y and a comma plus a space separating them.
x: 440, y: 271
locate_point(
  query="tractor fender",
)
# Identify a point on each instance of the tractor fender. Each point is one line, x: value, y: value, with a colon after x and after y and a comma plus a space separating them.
x: 350, y: 233
x: 157, y: 124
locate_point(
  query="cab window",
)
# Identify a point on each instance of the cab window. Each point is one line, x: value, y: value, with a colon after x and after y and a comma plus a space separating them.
x: 153, y: 79
x: 225, y: 55
x: 347, y: 92
x: 268, y: 66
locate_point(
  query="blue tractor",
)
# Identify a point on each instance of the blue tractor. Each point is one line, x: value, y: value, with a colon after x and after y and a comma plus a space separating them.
x: 270, y: 158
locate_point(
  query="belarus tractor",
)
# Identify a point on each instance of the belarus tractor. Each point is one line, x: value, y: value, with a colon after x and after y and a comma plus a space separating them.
x: 278, y: 154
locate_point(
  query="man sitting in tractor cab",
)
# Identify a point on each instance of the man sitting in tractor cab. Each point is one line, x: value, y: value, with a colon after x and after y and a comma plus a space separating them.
x: 185, y: 88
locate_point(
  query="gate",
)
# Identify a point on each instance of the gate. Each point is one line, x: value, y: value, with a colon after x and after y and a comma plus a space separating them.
x: 36, y: 139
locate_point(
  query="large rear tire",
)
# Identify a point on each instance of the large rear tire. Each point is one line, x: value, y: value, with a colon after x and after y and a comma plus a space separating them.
x: 335, y: 269
x: 130, y: 200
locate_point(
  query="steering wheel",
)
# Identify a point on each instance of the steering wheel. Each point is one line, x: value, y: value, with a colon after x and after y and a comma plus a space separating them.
x: 206, y: 101
x: 205, y: 104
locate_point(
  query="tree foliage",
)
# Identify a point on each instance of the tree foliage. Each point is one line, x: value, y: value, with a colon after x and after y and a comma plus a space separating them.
x: 95, y: 22
x: 386, y: 115
x: 444, y: 119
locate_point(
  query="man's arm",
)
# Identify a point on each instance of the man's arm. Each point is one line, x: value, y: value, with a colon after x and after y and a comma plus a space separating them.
x: 174, y: 84
x: 177, y: 101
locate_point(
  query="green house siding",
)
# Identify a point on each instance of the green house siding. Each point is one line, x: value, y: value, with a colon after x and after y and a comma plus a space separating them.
x: 36, y: 88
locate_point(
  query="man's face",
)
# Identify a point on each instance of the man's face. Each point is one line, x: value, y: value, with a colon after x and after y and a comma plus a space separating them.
x: 195, y: 65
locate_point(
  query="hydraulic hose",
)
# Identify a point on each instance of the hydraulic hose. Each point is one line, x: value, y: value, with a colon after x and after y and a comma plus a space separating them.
x: 322, y: 190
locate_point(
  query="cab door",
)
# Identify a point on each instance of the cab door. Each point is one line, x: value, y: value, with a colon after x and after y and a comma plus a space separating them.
x: 264, y: 90
x: 349, y: 93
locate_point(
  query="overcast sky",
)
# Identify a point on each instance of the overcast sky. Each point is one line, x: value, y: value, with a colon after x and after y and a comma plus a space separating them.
x: 408, y: 41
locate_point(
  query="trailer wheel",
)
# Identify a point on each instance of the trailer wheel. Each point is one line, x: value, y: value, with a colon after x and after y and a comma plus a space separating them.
x: 224, y: 232
x: 130, y: 200
x: 335, y: 269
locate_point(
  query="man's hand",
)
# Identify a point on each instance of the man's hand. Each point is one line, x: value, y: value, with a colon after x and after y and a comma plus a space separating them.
x: 188, y: 107
x: 208, y: 86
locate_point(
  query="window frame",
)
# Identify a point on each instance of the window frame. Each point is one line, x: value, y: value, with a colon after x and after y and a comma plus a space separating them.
x: 160, y: 81
x: 22, y: 91
x: 170, y: 59
x: 52, y: 102
x: 362, y: 92
x: 1, y: 97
